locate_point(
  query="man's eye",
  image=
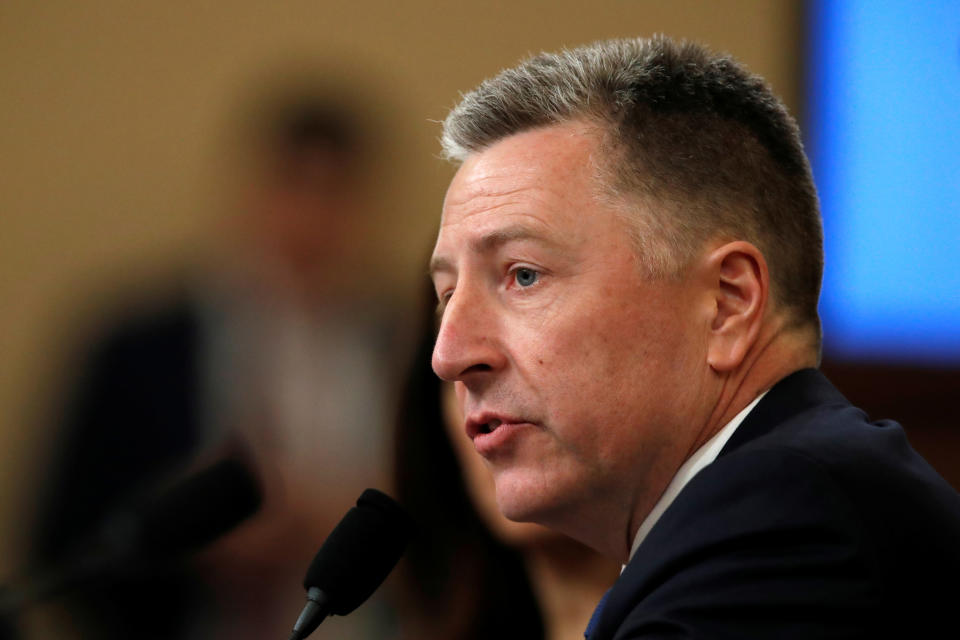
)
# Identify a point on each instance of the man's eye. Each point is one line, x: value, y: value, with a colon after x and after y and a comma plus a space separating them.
x: 442, y: 301
x: 526, y: 277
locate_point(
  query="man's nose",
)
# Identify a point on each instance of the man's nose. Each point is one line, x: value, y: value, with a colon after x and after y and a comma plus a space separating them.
x: 467, y: 345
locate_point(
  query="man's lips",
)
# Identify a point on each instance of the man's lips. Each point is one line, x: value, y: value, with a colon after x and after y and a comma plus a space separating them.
x: 488, y: 422
x: 491, y: 432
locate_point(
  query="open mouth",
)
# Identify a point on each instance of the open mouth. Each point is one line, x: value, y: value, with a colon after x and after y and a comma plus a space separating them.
x: 490, y: 427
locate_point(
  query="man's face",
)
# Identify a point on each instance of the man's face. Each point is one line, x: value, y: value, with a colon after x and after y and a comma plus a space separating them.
x: 577, y: 374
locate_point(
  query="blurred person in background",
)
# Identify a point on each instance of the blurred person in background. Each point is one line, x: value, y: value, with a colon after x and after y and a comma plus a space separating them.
x: 273, y: 347
x: 471, y: 573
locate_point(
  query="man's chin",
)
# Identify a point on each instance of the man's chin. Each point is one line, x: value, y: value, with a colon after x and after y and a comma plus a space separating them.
x: 520, y: 502
x: 519, y: 513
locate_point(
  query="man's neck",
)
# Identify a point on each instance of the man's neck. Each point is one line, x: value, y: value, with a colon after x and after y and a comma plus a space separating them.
x: 777, y: 353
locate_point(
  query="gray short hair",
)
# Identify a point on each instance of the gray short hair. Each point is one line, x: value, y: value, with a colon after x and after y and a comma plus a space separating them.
x: 694, y: 140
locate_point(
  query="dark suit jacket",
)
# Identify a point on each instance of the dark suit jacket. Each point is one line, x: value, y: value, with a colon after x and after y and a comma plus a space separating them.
x: 131, y: 420
x: 132, y: 415
x: 813, y: 522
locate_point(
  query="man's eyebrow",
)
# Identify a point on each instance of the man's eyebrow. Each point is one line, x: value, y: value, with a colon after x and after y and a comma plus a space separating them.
x: 489, y: 242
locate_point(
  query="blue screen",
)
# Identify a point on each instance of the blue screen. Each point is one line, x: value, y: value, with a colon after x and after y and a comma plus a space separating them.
x: 883, y: 134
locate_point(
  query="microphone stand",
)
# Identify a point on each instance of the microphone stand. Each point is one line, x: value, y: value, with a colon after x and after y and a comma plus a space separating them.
x: 313, y: 613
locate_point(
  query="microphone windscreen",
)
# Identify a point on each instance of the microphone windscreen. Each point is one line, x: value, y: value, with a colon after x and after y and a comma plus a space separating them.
x: 360, y: 552
x: 198, y: 510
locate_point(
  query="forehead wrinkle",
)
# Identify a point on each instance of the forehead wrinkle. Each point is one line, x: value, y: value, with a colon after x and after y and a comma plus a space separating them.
x: 476, y: 188
x: 522, y: 200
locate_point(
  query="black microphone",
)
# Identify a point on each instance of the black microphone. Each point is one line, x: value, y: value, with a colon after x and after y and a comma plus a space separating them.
x: 354, y: 560
x: 198, y: 510
x: 185, y: 518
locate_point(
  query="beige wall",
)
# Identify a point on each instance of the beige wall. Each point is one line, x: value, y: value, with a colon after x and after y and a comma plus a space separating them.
x: 109, y: 111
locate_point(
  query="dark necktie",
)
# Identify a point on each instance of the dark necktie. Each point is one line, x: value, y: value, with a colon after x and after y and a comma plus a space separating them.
x: 596, y: 615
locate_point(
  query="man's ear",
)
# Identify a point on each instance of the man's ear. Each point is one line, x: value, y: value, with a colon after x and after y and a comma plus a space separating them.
x: 740, y: 286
